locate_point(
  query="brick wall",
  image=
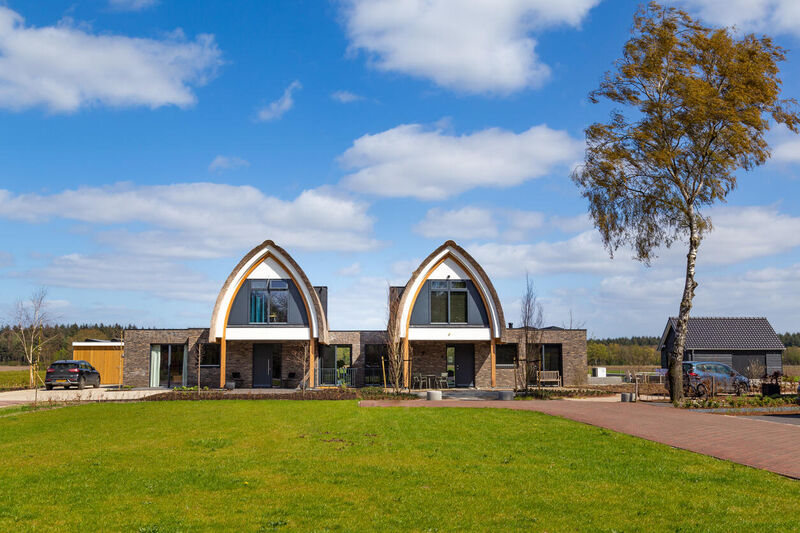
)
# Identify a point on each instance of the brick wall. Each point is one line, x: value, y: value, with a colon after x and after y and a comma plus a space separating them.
x: 573, y: 352
x: 239, y: 357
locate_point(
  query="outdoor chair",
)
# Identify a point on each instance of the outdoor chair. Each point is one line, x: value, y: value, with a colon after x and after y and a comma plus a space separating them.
x: 443, y: 384
x: 416, y: 382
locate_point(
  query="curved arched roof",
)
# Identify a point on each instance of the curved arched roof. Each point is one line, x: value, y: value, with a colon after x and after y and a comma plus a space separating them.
x: 316, y: 315
x: 474, y: 270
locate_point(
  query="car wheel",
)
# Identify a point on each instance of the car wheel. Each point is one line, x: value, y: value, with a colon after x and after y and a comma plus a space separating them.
x: 97, y: 384
x: 81, y: 383
x: 741, y: 389
x: 48, y: 387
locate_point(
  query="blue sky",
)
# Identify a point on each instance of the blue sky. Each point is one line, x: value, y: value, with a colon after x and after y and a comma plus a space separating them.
x: 147, y: 145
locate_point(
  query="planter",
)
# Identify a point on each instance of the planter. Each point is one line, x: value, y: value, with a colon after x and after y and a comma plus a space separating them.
x: 434, y: 395
x: 770, y: 389
x: 505, y: 395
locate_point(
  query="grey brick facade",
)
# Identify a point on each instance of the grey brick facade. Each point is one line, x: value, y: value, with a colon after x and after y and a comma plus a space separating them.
x: 426, y: 357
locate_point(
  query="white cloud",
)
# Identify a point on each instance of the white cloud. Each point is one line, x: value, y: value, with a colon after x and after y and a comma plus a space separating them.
x: 202, y: 219
x: 279, y: 107
x: 346, y: 97
x: 464, y: 223
x: 117, y: 272
x: 402, y: 270
x: 349, y: 270
x: 470, y: 46
x: 64, y: 68
x: 222, y: 162
x: 131, y: 5
x: 583, y: 253
x: 740, y: 234
x: 522, y: 223
x: 771, y: 16
x: 361, y: 305
x: 409, y: 160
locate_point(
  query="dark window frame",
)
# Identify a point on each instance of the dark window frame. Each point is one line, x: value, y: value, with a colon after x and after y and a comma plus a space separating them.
x: 449, y: 289
x: 513, y: 362
x: 267, y: 290
x: 205, y: 346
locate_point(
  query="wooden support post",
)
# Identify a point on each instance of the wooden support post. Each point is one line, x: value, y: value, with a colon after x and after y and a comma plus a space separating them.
x: 405, y: 362
x: 311, y: 380
x: 493, y: 358
x: 222, y: 362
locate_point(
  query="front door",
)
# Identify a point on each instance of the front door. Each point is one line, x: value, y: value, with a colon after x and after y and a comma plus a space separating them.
x: 263, y: 354
x: 465, y: 365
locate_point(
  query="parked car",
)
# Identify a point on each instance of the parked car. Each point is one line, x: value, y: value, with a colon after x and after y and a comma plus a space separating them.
x: 700, y: 376
x: 69, y: 373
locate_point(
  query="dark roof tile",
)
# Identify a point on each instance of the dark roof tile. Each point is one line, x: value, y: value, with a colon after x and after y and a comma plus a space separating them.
x: 730, y: 333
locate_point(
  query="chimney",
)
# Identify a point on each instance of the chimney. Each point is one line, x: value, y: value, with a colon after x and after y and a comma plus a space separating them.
x: 510, y: 325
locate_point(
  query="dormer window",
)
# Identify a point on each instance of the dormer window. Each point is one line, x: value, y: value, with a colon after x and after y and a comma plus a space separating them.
x: 448, y: 302
x: 269, y: 301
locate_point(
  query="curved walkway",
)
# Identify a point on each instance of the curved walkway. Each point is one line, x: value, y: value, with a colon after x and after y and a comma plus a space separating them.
x: 740, y: 439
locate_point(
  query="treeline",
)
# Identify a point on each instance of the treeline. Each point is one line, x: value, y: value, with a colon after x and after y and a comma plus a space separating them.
x: 629, y: 341
x: 790, y: 339
x: 59, y: 345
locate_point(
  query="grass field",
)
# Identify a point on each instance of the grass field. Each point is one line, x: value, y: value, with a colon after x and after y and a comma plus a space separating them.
x: 16, y: 379
x: 332, y: 466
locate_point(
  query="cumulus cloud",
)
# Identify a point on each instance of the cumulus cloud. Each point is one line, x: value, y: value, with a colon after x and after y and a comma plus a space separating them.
x: 192, y: 220
x: 361, y: 305
x: 464, y: 223
x: 131, y: 5
x: 128, y: 273
x: 740, y: 234
x: 346, y: 97
x: 410, y: 160
x: 772, y: 16
x: 279, y: 107
x: 349, y: 270
x: 64, y: 68
x: 471, y: 46
x: 222, y: 162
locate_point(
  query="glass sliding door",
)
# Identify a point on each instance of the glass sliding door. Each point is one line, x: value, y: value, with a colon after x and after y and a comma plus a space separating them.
x: 171, y: 369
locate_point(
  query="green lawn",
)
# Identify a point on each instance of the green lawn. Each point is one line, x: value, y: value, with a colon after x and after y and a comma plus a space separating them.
x: 16, y: 379
x: 283, y: 465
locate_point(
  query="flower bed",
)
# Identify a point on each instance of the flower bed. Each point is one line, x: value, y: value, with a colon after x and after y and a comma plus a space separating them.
x: 739, y: 402
x: 553, y: 394
x: 368, y: 393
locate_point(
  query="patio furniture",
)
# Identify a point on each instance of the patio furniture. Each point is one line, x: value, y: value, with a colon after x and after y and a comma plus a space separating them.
x: 416, y: 381
x: 237, y: 380
x: 443, y: 384
x: 552, y: 377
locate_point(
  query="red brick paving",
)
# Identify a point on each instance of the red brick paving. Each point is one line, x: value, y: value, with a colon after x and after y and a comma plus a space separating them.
x: 765, y: 445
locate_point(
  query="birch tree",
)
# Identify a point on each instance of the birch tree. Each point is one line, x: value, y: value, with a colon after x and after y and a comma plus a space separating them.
x: 30, y: 318
x: 695, y: 105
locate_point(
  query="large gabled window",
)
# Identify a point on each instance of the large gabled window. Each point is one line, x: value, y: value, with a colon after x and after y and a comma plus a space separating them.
x: 269, y: 301
x: 448, y: 302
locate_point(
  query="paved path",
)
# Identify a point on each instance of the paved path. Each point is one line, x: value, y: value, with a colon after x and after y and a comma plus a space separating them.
x: 19, y: 397
x: 756, y: 443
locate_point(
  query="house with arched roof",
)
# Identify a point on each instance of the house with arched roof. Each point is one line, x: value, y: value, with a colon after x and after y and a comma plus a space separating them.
x: 269, y: 328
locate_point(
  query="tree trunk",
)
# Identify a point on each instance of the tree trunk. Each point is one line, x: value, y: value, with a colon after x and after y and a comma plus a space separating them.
x: 675, y: 373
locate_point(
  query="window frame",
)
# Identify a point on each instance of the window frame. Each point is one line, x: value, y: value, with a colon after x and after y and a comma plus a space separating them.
x: 513, y: 362
x: 447, y: 287
x: 219, y: 356
x: 268, y: 290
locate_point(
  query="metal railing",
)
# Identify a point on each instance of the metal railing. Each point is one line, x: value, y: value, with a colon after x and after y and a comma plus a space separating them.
x: 338, y: 377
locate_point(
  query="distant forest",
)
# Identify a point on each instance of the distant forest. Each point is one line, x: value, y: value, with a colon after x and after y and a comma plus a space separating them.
x: 60, y: 344
x: 641, y: 351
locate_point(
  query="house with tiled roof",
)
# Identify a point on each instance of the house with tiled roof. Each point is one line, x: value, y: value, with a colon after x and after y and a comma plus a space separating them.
x: 741, y: 342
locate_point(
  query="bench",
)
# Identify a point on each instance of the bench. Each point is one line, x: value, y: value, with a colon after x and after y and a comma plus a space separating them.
x: 548, y: 376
